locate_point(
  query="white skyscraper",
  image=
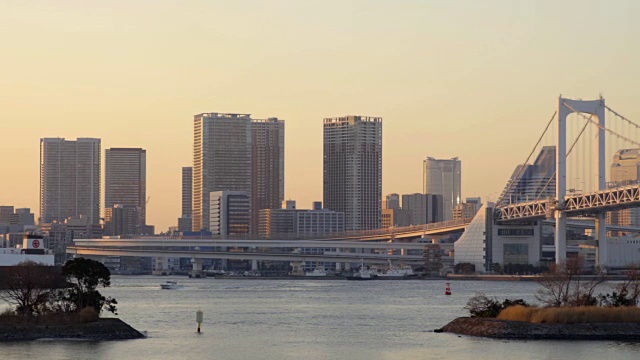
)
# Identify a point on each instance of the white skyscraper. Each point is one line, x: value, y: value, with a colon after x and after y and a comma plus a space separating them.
x: 443, y: 177
x: 69, y: 179
x: 353, y: 169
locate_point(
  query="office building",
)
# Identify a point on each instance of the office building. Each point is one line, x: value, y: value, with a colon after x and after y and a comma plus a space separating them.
x: 267, y: 166
x: 5, y: 214
x: 230, y: 213
x: 352, y: 164
x: 122, y: 220
x: 443, y: 177
x: 184, y: 222
x: 126, y: 182
x: 391, y: 201
x: 69, y: 179
x: 221, y: 160
x: 532, y: 182
x: 625, y: 170
x: 423, y: 208
x: 464, y: 211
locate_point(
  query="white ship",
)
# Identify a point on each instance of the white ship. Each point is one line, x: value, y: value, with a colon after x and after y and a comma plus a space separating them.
x: 398, y: 273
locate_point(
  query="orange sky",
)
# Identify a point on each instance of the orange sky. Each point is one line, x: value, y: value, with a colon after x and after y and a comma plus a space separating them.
x: 477, y: 80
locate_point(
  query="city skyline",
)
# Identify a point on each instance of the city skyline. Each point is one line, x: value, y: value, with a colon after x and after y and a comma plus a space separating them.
x: 491, y: 69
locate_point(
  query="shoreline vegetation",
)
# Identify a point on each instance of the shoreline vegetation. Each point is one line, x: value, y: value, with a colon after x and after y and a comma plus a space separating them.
x: 571, y: 309
x: 59, y: 303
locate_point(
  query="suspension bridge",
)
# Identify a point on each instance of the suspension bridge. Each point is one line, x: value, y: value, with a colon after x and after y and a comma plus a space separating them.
x: 573, y: 185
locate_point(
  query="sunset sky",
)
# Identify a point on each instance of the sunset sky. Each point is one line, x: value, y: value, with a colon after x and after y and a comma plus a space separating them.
x: 473, y: 79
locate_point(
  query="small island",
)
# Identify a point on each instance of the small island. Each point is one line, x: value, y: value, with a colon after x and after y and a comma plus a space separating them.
x: 59, y: 303
x: 571, y: 310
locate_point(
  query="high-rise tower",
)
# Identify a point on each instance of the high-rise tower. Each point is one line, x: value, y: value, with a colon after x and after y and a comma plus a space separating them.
x: 126, y: 180
x: 267, y: 167
x: 221, y: 159
x: 353, y: 169
x: 69, y: 179
x: 443, y: 177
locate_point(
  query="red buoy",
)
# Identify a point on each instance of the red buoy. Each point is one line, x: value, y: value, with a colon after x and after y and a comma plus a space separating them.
x: 447, y: 289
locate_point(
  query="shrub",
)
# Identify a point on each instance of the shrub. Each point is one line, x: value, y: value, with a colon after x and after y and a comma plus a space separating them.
x: 482, y: 306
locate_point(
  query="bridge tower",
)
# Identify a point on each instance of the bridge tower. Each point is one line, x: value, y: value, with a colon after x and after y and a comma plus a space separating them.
x: 597, y: 109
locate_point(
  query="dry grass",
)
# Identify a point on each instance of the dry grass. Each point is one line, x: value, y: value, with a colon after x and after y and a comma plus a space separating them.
x: 571, y: 315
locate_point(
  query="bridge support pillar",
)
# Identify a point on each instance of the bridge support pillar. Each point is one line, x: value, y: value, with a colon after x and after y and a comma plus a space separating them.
x: 561, y: 236
x: 254, y: 265
x: 601, y: 233
x: 196, y: 270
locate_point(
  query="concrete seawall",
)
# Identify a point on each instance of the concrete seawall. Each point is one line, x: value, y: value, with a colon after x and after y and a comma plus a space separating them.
x: 103, y: 329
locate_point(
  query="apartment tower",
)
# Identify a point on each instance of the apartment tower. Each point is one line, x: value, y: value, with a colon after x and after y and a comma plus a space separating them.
x: 267, y: 167
x: 221, y: 160
x: 184, y: 222
x: 126, y: 181
x: 69, y: 179
x: 352, y: 166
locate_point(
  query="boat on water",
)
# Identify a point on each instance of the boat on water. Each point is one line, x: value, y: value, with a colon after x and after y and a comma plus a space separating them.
x: 398, y: 273
x: 364, y: 274
x: 170, y: 285
x: 317, y: 272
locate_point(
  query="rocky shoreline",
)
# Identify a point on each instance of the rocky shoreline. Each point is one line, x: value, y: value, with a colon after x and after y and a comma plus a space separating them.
x: 502, y: 329
x: 103, y: 329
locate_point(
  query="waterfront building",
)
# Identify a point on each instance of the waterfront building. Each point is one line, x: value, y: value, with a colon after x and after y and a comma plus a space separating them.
x: 184, y: 222
x: 230, y: 213
x: 625, y: 170
x: 69, y: 179
x: 221, y: 160
x: 485, y: 243
x: 352, y: 164
x: 423, y: 208
x: 443, y: 177
x: 530, y: 182
x: 126, y: 186
x: 300, y: 222
x: 267, y: 166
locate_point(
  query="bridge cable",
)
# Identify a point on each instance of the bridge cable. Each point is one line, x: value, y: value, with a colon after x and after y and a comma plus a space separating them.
x: 568, y: 152
x: 517, y: 177
x: 602, y: 127
x: 622, y: 117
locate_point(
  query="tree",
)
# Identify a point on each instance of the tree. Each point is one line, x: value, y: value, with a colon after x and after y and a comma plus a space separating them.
x: 85, y: 275
x: 563, y: 285
x: 29, y: 286
x: 627, y: 293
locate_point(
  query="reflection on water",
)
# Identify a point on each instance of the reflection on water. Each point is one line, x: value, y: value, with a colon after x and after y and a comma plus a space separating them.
x: 306, y: 319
